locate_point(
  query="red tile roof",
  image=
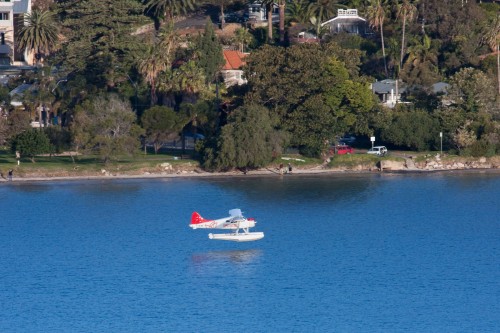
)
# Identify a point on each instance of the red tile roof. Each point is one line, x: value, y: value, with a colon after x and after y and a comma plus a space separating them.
x: 234, y: 59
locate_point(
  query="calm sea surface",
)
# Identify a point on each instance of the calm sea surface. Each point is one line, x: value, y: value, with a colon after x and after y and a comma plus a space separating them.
x: 367, y: 253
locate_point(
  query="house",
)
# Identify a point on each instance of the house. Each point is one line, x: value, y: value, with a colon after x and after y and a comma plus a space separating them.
x: 299, y: 34
x: 232, y: 71
x: 304, y: 37
x: 389, y: 92
x: 440, y: 88
x: 347, y: 20
x: 11, y: 19
x: 17, y: 94
x: 256, y: 14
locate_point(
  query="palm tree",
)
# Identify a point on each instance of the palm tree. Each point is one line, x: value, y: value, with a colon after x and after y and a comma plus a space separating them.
x: 269, y: 4
x: 492, y: 39
x: 169, y: 8
x: 221, y: 4
x: 282, y: 8
x: 243, y: 37
x: 158, y: 58
x: 189, y: 79
x: 323, y: 9
x: 39, y: 34
x: 421, y: 67
x: 298, y: 11
x: 150, y: 67
x: 376, y: 17
x: 408, y: 12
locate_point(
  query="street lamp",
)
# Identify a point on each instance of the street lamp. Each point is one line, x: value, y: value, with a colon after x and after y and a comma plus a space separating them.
x: 63, y: 80
x: 441, y: 137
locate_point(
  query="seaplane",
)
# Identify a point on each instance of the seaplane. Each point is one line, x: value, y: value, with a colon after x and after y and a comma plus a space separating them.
x: 236, y: 223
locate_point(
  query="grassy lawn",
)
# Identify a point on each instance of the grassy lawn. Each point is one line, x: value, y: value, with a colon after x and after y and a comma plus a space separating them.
x: 356, y: 160
x: 85, y: 165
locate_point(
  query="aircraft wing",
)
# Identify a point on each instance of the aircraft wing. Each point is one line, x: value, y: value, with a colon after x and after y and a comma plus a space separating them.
x: 235, y: 213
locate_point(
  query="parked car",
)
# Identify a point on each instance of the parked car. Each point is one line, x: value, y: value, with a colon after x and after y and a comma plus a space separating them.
x: 347, y: 139
x: 342, y: 150
x: 378, y: 150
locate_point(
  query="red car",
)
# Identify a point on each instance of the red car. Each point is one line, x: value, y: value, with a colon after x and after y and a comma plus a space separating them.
x: 343, y: 149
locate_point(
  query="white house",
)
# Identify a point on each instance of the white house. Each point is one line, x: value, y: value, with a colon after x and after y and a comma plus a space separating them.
x: 11, y: 19
x: 232, y: 71
x: 257, y: 13
x: 347, y: 20
x: 389, y: 91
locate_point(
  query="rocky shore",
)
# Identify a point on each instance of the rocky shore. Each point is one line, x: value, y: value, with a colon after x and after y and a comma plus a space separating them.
x: 167, y: 170
x: 438, y: 163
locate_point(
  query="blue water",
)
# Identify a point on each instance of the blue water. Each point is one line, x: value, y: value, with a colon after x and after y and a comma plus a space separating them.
x: 366, y: 253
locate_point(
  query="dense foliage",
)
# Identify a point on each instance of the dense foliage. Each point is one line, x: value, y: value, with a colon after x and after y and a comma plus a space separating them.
x: 31, y: 143
x: 111, y: 55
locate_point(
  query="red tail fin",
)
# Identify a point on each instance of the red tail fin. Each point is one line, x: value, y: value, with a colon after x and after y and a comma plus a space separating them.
x: 196, y: 218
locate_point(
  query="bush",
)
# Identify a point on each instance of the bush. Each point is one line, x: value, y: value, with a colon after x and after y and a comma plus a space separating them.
x: 482, y: 148
x: 31, y: 142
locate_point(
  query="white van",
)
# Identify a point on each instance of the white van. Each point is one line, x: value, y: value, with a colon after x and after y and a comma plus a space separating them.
x: 378, y: 150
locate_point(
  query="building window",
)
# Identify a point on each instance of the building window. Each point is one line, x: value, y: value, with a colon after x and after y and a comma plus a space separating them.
x: 4, y: 16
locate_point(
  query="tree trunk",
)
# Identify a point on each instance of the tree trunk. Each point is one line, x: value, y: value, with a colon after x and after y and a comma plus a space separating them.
x: 270, y: 22
x: 498, y: 67
x: 402, y: 43
x: 282, y: 5
x: 383, y: 49
x: 222, y: 18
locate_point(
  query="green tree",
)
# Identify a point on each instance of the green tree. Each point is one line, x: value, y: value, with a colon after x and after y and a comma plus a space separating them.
x: 415, y: 130
x: 167, y: 9
x: 248, y: 140
x: 59, y: 138
x: 297, y: 11
x: 473, y: 91
x: 243, y: 37
x: 323, y: 10
x: 457, y: 30
x: 39, y: 33
x: 492, y: 39
x: 31, y: 143
x: 376, y: 17
x: 3, y: 130
x: 158, y: 60
x: 18, y: 121
x: 421, y: 65
x: 99, y: 37
x: 291, y: 81
x: 407, y: 12
x: 210, y: 53
x: 150, y: 66
x: 106, y: 125
x: 161, y: 124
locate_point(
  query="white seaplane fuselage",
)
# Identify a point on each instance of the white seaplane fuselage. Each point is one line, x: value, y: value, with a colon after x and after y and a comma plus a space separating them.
x: 234, y: 223
x: 225, y: 223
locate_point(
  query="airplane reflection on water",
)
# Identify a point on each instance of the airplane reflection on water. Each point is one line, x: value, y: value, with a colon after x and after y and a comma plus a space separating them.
x: 229, y: 256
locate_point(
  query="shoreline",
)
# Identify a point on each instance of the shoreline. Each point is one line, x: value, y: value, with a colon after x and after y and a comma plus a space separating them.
x: 252, y: 173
